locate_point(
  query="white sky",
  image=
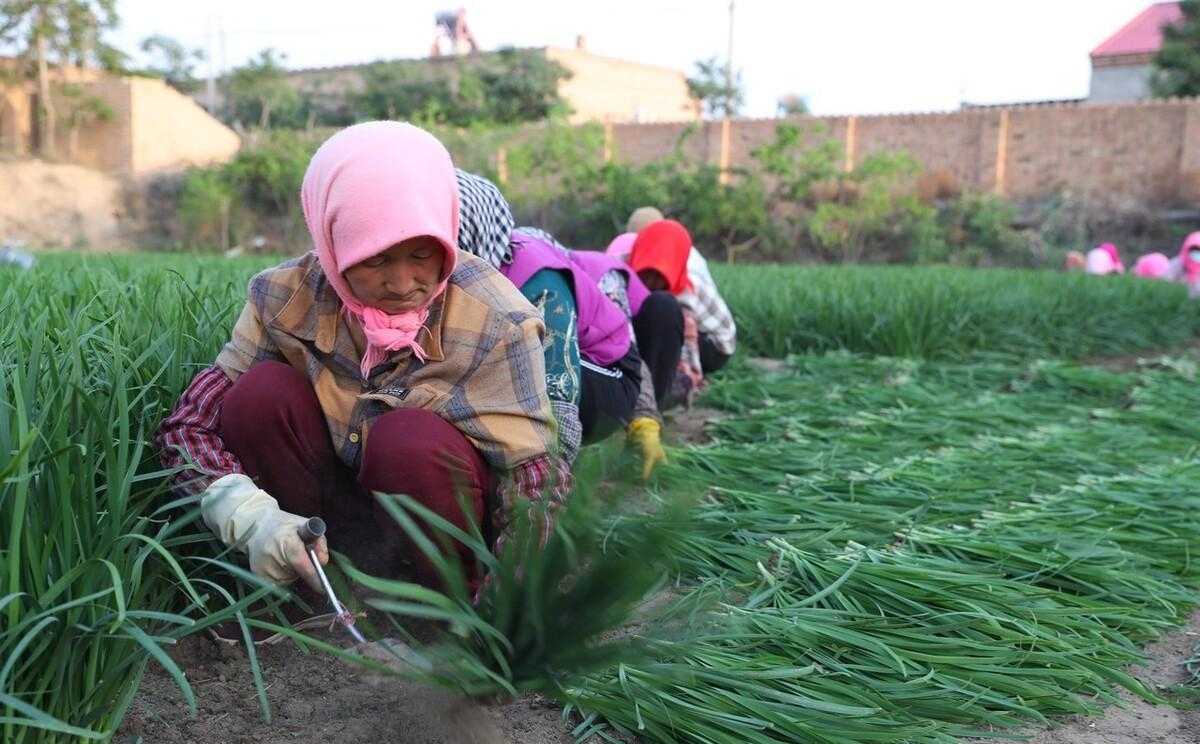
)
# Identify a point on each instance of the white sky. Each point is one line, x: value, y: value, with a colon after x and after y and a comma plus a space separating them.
x: 867, y: 56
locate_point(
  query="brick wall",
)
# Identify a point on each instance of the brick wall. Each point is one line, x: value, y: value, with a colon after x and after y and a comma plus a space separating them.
x: 1144, y: 153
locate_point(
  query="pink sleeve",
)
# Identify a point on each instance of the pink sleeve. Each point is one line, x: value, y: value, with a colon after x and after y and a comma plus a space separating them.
x: 189, y: 437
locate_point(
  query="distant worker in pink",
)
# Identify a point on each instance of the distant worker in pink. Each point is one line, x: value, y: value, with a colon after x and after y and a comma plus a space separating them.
x: 1189, y: 263
x: 1104, y: 259
x: 1153, y: 266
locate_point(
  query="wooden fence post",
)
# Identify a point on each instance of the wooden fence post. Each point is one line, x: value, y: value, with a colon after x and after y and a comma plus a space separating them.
x: 502, y: 165
x: 1002, y: 154
x: 725, y: 175
x: 851, y: 143
x: 608, y: 141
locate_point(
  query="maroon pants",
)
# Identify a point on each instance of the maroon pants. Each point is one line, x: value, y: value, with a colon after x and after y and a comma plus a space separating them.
x: 272, y: 422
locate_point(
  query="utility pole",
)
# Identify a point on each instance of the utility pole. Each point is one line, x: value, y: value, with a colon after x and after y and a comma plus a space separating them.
x: 729, y: 67
x: 210, y: 91
x: 724, y: 175
x: 221, y: 38
x: 223, y: 69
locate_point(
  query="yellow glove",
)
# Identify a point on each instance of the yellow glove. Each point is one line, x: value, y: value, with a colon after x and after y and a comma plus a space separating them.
x: 242, y: 514
x: 645, y: 432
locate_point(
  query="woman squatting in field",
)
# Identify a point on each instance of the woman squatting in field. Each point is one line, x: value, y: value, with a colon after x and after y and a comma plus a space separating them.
x: 661, y: 253
x: 596, y: 378
x: 384, y: 360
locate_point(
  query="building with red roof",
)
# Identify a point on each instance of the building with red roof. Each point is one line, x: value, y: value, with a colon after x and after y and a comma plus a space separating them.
x: 1122, y: 66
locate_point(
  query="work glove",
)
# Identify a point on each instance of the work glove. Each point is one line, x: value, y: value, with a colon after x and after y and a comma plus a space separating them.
x: 646, y: 434
x: 243, y: 515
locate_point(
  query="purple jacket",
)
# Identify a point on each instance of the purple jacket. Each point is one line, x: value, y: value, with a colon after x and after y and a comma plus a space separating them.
x: 603, y: 328
x: 596, y: 264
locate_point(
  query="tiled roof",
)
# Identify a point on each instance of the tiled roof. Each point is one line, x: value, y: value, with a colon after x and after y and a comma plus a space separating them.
x: 1142, y: 35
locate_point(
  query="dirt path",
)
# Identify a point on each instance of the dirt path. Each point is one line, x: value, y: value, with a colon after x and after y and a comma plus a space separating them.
x: 315, y: 700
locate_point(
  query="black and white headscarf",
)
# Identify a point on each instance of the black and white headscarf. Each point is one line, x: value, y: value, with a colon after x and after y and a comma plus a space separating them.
x: 485, y: 219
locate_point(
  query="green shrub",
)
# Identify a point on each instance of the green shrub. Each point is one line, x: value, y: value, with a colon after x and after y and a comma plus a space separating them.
x: 267, y: 176
x: 880, y: 217
x: 504, y: 87
x: 978, y: 232
x: 558, y: 180
x: 793, y: 202
x: 206, y: 205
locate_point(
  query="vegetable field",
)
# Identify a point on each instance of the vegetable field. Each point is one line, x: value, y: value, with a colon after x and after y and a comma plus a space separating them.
x: 925, y: 523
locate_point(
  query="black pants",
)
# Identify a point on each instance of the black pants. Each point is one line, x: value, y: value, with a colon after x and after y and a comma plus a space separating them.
x: 607, y: 395
x: 711, y: 359
x: 658, y: 327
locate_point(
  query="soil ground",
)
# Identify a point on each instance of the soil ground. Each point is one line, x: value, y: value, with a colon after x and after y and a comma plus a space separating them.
x: 61, y: 206
x: 1137, y: 722
x: 316, y: 699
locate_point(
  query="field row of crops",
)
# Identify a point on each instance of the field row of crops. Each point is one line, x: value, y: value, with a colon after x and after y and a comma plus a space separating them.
x: 894, y: 549
x: 915, y: 551
x: 945, y: 312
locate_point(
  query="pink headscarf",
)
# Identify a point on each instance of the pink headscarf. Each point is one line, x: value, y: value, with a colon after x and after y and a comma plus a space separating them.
x: 1191, y: 266
x: 369, y: 187
x: 621, y: 246
x: 1115, y: 255
x: 1152, y: 266
x: 1104, y: 259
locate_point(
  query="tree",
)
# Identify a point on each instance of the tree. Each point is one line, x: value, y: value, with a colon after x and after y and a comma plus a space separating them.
x: 395, y: 90
x: 520, y: 85
x: 56, y: 32
x: 504, y: 87
x: 260, y: 87
x: 173, y: 62
x: 80, y: 108
x: 711, y: 86
x: 1177, y: 65
x: 793, y: 104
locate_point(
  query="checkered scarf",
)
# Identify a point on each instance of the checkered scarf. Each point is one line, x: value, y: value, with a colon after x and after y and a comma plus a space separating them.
x: 485, y: 219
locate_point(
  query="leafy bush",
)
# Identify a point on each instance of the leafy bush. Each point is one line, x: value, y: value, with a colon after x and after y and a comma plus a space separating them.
x: 256, y: 192
x: 206, y: 203
x: 267, y: 177
x: 794, y: 202
x: 879, y: 217
x: 979, y: 232
x: 559, y: 180
x: 504, y: 87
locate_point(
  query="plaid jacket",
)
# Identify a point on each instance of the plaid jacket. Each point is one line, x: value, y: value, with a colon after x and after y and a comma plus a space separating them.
x: 712, y: 314
x: 485, y: 362
x: 484, y: 375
